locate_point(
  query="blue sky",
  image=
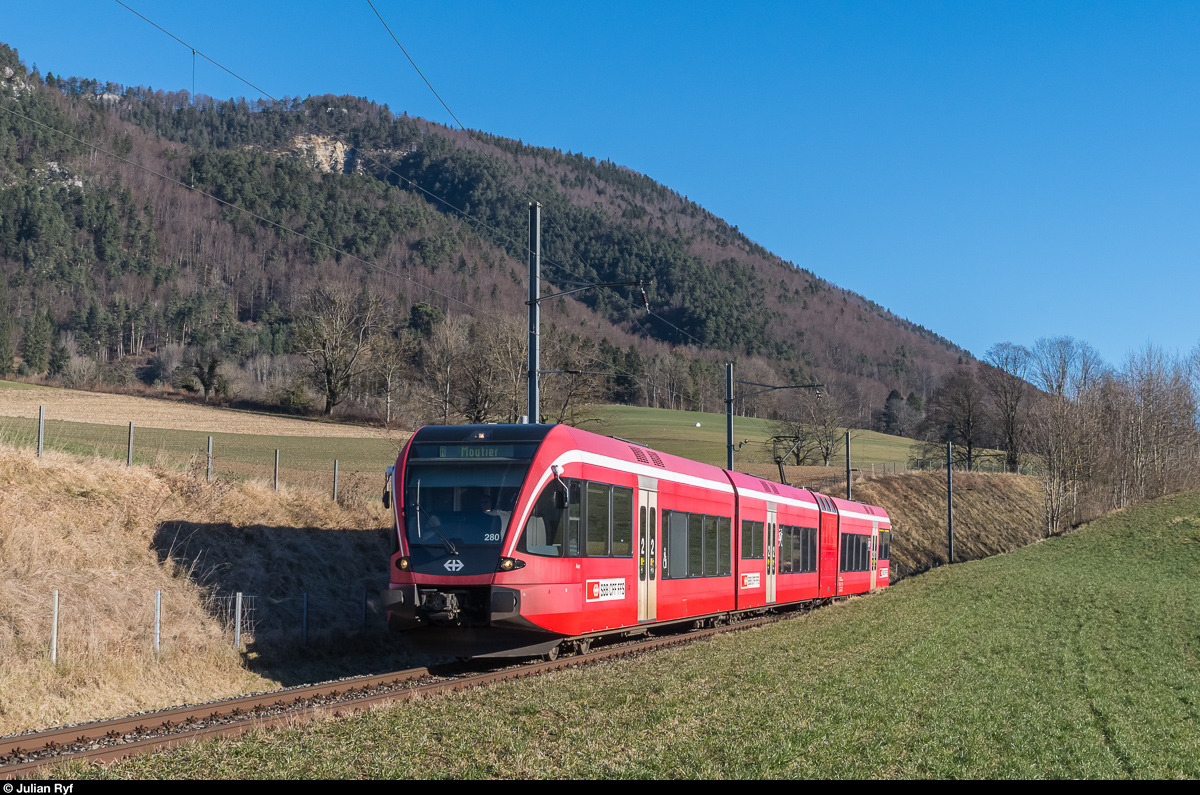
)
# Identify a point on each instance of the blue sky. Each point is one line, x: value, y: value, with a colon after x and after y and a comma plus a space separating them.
x: 992, y: 171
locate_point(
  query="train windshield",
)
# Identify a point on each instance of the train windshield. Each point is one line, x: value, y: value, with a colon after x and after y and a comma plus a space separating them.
x: 460, y: 503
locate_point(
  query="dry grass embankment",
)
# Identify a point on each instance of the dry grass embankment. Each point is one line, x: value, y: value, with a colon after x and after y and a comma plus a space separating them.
x: 992, y: 513
x: 107, y: 538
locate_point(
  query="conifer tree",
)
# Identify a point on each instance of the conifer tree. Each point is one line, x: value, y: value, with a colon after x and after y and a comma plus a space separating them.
x: 35, y: 346
x: 6, y: 343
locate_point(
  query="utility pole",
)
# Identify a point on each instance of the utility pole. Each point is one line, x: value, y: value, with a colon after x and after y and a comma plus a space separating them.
x: 847, y: 465
x: 729, y: 416
x: 950, y: 503
x: 535, y: 319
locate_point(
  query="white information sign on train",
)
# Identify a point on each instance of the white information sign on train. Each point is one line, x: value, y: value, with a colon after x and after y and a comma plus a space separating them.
x: 604, y: 590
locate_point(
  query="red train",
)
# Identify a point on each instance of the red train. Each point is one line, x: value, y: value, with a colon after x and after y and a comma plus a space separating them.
x: 517, y: 540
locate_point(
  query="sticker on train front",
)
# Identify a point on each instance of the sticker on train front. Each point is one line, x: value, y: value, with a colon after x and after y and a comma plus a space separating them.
x: 604, y: 590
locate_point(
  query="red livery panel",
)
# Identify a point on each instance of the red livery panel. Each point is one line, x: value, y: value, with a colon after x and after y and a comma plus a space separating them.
x: 520, y: 539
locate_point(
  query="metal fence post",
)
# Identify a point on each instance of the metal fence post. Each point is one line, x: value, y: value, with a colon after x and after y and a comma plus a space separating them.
x: 277, y: 470
x: 54, y: 633
x: 129, y: 458
x: 41, y: 430
x: 157, y: 619
x: 335, y: 479
x: 237, y: 623
x: 210, y: 459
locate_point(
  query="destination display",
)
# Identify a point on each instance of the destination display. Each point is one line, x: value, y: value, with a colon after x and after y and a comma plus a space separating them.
x: 476, y: 451
x: 473, y: 452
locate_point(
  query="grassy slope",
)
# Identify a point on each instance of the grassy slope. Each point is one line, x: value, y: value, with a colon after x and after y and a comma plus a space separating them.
x: 1077, y: 657
x: 676, y: 432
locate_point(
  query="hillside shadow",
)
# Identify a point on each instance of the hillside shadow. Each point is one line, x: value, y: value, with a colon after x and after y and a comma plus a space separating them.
x: 340, y: 571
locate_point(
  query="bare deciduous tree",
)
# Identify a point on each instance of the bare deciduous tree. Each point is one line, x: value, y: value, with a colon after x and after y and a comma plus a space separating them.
x: 1064, y: 428
x: 1004, y: 374
x: 391, y: 359
x: 956, y: 414
x: 333, y: 328
x: 441, y: 358
x: 815, y: 421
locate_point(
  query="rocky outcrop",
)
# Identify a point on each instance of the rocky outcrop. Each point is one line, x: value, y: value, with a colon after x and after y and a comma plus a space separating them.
x: 325, y: 154
x: 11, y: 81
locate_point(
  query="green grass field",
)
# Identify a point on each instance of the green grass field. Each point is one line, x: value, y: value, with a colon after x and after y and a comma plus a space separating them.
x: 18, y: 385
x: 1075, y: 658
x: 676, y: 432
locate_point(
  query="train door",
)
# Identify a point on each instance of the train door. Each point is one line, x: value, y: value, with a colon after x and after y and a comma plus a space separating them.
x: 772, y: 552
x: 827, y: 579
x: 647, y: 554
x: 874, y: 552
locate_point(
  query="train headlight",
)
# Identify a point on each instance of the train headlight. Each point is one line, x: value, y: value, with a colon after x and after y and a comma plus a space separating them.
x: 508, y: 564
x: 402, y: 564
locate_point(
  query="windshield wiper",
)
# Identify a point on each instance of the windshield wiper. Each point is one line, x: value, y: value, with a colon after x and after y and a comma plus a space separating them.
x: 447, y: 542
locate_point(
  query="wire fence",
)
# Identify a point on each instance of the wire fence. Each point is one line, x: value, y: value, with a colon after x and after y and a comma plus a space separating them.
x: 69, y: 624
x: 294, y: 461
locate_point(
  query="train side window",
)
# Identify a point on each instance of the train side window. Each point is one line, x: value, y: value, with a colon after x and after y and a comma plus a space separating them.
x: 677, y: 527
x: 622, y: 522
x: 574, y: 519
x: 725, y: 545
x: 695, y: 545
x: 785, y: 549
x: 665, y: 544
x: 885, y: 545
x: 710, y: 546
x: 752, y: 540
x: 548, y: 525
x: 597, y: 519
x: 802, y: 549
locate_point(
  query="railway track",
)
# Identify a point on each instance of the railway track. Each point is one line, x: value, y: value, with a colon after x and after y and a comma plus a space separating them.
x: 106, y: 741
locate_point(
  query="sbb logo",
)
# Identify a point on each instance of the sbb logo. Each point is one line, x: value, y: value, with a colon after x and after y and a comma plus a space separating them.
x: 604, y: 590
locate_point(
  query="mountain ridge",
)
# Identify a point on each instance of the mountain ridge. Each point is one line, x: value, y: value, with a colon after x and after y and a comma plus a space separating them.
x: 432, y: 204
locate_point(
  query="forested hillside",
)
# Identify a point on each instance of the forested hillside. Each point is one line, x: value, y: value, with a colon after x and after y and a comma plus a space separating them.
x: 120, y: 266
